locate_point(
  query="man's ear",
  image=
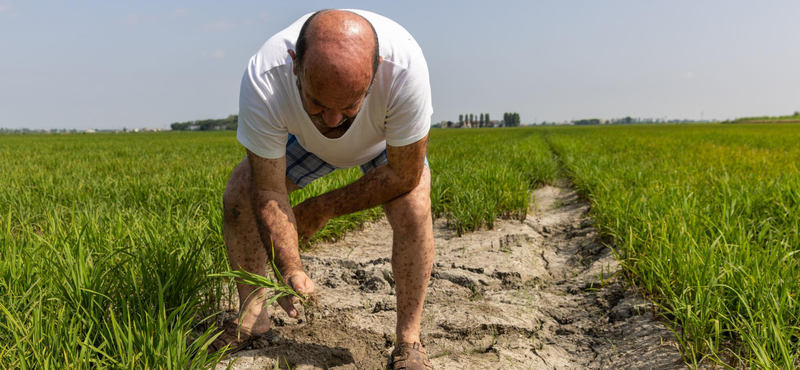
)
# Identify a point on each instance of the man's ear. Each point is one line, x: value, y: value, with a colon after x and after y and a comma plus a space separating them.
x: 294, y: 61
x: 380, y: 59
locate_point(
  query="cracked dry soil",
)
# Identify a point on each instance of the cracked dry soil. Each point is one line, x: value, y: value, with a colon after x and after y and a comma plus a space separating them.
x: 535, y: 294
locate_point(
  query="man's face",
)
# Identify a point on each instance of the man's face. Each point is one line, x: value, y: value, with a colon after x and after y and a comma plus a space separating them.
x: 327, y: 106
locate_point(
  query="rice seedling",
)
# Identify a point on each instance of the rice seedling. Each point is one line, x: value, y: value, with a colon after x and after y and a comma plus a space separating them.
x: 275, y: 289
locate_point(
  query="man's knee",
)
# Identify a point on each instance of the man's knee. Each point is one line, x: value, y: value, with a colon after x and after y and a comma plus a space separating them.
x: 412, y: 209
x: 236, y: 197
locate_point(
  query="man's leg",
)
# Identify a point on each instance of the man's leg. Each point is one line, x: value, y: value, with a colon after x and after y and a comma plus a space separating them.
x: 412, y: 254
x: 244, y: 246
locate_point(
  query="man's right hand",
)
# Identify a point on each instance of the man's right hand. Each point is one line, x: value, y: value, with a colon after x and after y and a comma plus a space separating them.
x: 300, y: 282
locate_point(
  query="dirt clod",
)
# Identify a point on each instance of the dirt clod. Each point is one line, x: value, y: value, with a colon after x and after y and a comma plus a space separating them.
x: 311, y: 308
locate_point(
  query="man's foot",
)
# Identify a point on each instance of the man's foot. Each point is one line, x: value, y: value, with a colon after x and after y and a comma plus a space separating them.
x: 237, y: 340
x: 409, y: 356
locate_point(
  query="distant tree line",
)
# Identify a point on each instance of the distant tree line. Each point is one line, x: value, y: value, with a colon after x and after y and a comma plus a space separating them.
x: 641, y: 120
x: 591, y: 121
x: 792, y: 118
x: 484, y: 120
x: 472, y: 120
x: 229, y: 123
x: 511, y: 119
x: 632, y: 120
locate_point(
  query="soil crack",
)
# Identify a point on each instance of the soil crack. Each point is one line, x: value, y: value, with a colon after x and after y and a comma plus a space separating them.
x: 533, y: 294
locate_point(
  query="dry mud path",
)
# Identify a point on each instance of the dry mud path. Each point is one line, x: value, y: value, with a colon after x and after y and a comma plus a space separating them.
x: 536, y: 294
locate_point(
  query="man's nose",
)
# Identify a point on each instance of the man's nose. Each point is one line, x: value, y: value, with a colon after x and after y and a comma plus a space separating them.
x: 332, y: 117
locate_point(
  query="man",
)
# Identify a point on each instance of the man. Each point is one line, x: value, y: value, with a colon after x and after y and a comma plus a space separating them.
x: 336, y: 89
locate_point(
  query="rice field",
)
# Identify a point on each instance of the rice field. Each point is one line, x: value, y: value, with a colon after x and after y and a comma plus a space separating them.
x: 706, y: 220
x: 107, y: 241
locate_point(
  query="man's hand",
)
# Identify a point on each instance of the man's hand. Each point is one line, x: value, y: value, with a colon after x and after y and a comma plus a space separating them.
x: 310, y: 217
x: 300, y: 282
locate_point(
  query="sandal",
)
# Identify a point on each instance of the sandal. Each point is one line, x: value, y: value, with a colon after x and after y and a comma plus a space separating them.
x: 236, y: 341
x: 409, y: 356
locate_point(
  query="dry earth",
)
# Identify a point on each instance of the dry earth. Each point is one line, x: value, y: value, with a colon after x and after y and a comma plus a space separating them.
x: 536, y: 294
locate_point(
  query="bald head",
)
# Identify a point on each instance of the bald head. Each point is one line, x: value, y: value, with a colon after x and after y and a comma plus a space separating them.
x: 335, y: 63
x: 338, y: 46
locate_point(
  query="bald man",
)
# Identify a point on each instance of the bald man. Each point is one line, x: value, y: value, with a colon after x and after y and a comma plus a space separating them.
x: 337, y: 89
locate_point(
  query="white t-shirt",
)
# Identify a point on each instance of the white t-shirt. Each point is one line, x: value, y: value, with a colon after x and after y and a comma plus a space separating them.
x: 396, y: 111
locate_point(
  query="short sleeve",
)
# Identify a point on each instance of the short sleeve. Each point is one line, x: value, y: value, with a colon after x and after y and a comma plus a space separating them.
x: 259, y: 130
x: 408, y: 117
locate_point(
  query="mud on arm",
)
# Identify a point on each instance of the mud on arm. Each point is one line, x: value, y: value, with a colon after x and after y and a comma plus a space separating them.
x: 273, y: 212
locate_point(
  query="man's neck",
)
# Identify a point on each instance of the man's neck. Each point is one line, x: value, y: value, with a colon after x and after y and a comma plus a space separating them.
x: 334, y: 132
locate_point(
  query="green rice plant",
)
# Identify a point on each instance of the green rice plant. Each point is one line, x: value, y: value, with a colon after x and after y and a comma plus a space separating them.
x: 275, y: 289
x: 479, y: 175
x: 705, y: 219
x: 104, y: 258
x: 278, y: 287
x: 109, y: 243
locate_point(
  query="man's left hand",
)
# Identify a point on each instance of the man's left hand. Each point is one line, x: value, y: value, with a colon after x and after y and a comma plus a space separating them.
x: 310, y: 218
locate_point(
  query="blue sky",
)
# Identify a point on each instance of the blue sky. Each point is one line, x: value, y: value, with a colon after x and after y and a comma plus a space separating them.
x: 114, y: 64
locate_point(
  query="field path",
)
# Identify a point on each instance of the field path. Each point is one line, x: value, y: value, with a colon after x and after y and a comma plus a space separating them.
x: 536, y: 294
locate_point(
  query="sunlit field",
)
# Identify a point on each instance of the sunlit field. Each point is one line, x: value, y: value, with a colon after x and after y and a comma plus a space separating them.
x: 706, y: 220
x: 107, y: 240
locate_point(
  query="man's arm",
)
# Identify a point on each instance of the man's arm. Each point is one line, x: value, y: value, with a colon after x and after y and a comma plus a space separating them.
x: 276, y: 221
x: 401, y: 175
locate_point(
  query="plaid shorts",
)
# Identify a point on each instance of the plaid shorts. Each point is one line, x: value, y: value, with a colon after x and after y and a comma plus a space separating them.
x: 303, y: 167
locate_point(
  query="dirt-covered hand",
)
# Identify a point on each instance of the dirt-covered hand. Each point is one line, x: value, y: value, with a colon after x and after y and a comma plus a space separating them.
x: 302, y: 284
x: 310, y: 218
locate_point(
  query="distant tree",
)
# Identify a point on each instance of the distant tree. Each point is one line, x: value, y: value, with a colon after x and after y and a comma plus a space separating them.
x: 229, y: 123
x: 486, y: 115
x: 628, y: 119
x: 480, y: 121
x: 511, y: 119
x: 583, y: 122
x: 471, y: 119
x: 460, y: 119
x: 508, y: 118
x: 179, y: 126
x: 797, y: 113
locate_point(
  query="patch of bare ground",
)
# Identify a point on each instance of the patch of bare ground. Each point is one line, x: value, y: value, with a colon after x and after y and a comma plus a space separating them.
x: 536, y: 294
